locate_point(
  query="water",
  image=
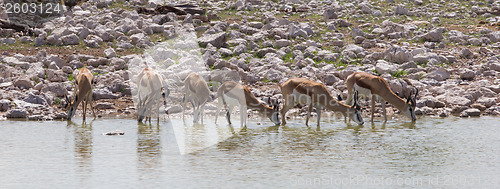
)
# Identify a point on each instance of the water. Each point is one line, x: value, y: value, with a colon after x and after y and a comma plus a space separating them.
x: 434, y: 152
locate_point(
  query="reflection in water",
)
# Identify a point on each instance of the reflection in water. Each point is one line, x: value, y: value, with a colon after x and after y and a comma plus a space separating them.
x: 148, y: 147
x: 83, y: 147
x: 262, y: 156
x: 195, y: 137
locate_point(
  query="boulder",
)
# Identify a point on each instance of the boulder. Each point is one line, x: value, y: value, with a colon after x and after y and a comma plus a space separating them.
x: 54, y: 40
x: 467, y: 74
x: 56, y: 75
x: 440, y: 74
x: 224, y: 75
x: 93, y: 41
x: 110, y: 53
x: 24, y: 83
x: 435, y: 35
x: 4, y: 105
x: 104, y: 105
x: 217, y: 40
x: 16, y: 113
x: 282, y: 43
x: 495, y: 66
x: 104, y: 93
x: 466, y: 53
x: 39, y: 41
x: 401, y: 10
x: 296, y: 31
x: 472, y: 112
x: 398, y: 55
x: 71, y: 39
x: 383, y: 67
x: 455, y: 100
x: 174, y: 109
x: 262, y: 52
x: 36, y: 99
x: 486, y: 101
x: 330, y: 14
x: 425, y: 57
x: 57, y: 88
x: 330, y: 79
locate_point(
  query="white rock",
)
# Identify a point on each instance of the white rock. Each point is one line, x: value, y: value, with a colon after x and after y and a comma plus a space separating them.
x: 16, y: 113
x: 467, y: 74
x: 383, y: 67
x: 435, y: 35
x: 398, y: 54
x: 23, y: 83
x: 70, y: 39
x: 440, y: 74
x: 110, y: 53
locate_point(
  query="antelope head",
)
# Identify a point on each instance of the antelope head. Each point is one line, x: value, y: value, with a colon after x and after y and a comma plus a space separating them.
x: 409, y: 109
x: 71, y: 106
x: 356, y: 110
x: 274, y: 116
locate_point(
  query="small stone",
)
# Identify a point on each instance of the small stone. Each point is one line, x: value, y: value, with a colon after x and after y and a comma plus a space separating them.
x: 113, y: 133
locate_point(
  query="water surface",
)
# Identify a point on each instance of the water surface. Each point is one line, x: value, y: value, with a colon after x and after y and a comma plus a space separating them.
x: 434, y: 152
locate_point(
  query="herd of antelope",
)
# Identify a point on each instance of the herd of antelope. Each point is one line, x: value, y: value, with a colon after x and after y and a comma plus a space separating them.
x: 151, y: 92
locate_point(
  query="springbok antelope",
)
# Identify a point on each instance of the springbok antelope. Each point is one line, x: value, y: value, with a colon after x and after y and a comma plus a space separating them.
x: 231, y: 94
x: 196, y: 92
x: 149, y: 89
x: 304, y: 91
x: 83, y: 92
x: 367, y: 84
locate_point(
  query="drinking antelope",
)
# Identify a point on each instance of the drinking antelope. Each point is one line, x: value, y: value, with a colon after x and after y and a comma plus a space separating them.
x: 196, y: 92
x: 304, y: 91
x: 231, y: 94
x: 367, y: 84
x: 149, y: 89
x: 83, y: 92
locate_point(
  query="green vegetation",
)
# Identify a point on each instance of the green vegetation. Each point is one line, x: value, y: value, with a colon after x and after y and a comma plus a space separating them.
x: 288, y: 57
x: 57, y: 101
x: 70, y: 77
x: 121, y: 5
x: 399, y: 74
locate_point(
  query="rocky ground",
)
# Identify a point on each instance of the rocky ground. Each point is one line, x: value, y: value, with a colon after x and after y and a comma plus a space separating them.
x: 447, y: 49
